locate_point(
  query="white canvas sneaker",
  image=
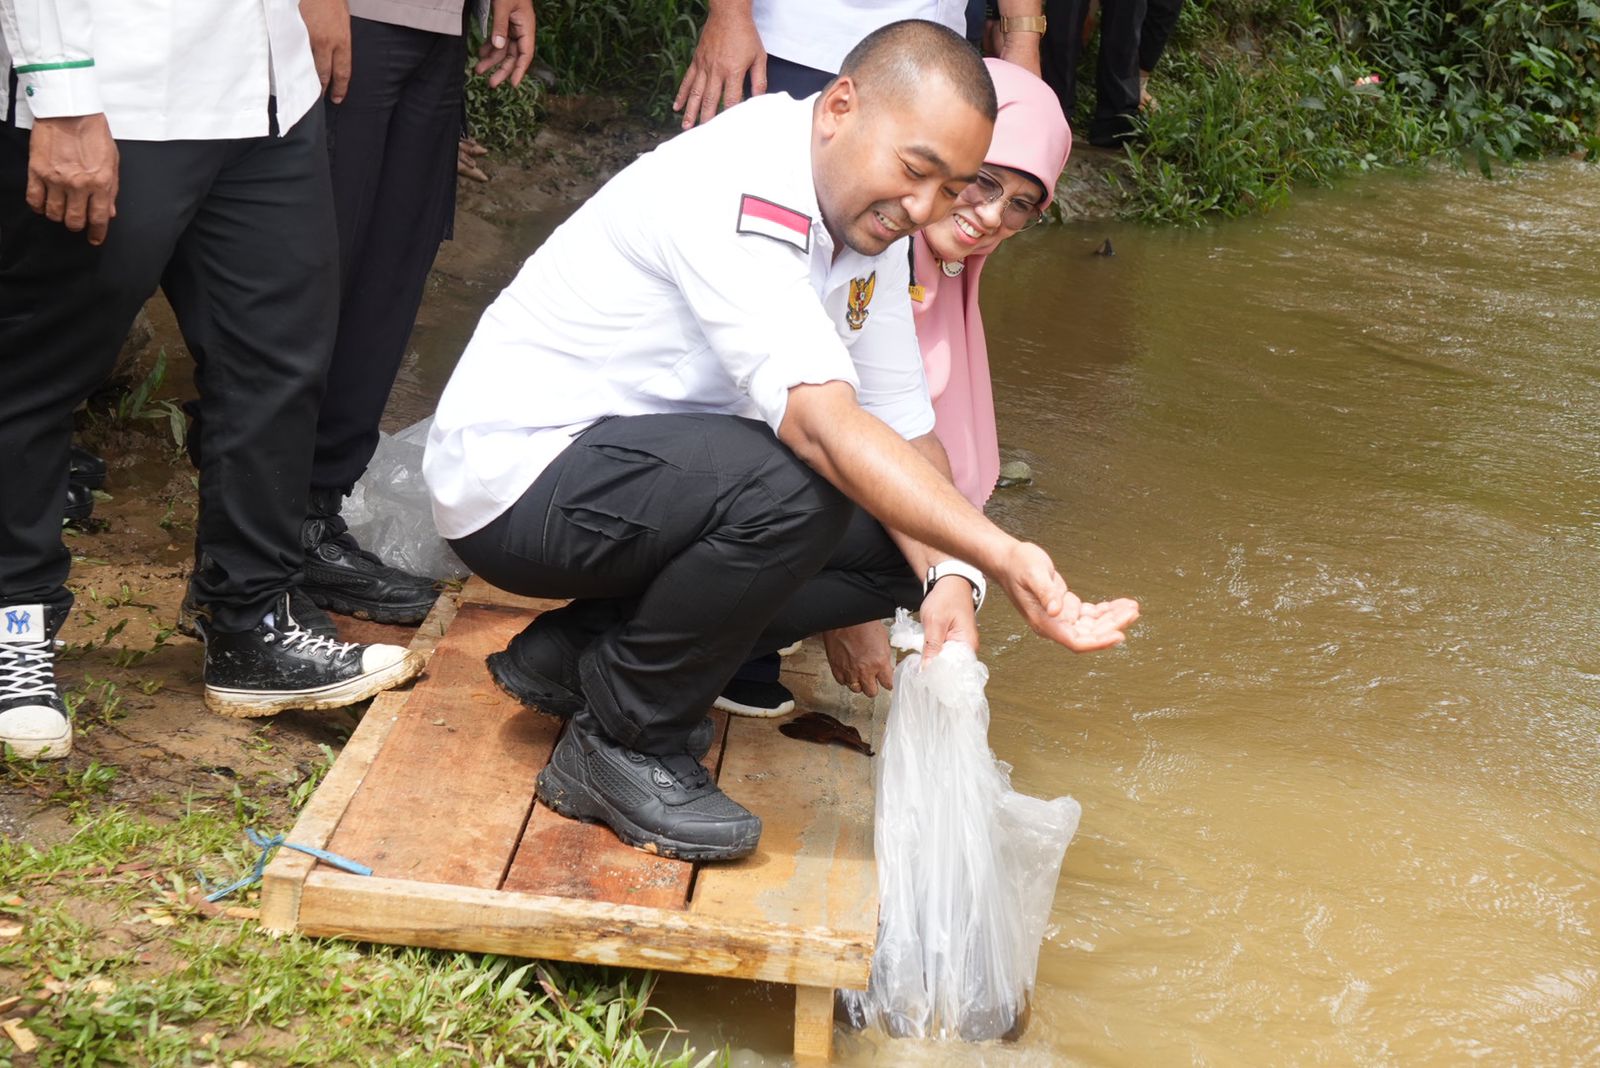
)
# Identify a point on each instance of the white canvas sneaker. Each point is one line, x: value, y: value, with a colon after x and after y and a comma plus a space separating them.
x: 33, y: 718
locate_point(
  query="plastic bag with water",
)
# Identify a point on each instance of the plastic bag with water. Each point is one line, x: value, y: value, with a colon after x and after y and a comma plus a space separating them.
x: 967, y: 867
x: 391, y: 514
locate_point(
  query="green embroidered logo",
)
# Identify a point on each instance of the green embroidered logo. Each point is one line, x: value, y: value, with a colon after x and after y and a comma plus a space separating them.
x: 30, y: 90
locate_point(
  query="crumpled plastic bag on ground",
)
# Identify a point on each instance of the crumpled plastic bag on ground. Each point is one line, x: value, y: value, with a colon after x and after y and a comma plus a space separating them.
x: 391, y: 514
x: 967, y: 867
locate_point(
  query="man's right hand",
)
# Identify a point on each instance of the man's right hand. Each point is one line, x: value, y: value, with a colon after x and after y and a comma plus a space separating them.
x: 1055, y: 612
x: 729, y: 49
x: 72, y: 173
x: 328, y: 25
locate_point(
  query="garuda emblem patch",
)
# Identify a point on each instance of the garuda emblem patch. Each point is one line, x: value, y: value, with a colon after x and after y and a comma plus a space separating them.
x: 860, y: 296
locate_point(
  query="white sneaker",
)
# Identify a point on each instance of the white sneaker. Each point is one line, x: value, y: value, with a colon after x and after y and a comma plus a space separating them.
x: 33, y: 719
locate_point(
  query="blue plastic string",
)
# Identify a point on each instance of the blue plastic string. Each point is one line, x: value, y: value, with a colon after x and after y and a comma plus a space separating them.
x: 267, y: 846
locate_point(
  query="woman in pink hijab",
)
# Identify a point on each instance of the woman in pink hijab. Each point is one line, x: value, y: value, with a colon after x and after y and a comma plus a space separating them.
x: 1015, y: 186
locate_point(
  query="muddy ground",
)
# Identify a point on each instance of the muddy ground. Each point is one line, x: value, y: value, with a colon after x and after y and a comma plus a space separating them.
x: 136, y: 683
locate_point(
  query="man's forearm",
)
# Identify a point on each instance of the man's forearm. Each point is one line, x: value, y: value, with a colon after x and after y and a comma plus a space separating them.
x: 889, y: 477
x: 918, y: 554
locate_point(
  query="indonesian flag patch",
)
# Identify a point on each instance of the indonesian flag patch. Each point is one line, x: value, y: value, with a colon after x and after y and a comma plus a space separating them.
x: 757, y: 216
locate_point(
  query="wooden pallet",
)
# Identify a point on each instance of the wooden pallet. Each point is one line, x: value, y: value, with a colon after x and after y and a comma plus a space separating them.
x: 435, y: 792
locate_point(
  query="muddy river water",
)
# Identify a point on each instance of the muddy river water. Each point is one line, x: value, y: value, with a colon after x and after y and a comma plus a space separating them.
x: 1341, y: 787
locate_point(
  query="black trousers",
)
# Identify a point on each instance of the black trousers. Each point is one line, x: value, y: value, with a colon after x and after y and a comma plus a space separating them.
x: 1160, y: 18
x: 239, y: 235
x: 392, y: 143
x: 1117, y: 72
x: 690, y: 541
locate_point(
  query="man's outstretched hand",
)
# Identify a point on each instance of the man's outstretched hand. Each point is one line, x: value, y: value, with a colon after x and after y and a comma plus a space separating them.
x: 72, y: 173
x: 1055, y: 612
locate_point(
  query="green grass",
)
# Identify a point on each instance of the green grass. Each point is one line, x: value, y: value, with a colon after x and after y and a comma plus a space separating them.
x: 118, y: 966
x: 1259, y: 96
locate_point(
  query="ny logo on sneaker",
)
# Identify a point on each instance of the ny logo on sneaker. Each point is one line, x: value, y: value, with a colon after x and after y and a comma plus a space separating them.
x: 18, y: 621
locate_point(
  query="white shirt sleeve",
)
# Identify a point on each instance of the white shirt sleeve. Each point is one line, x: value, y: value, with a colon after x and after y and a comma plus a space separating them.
x: 752, y: 298
x: 893, y: 384
x: 51, y: 48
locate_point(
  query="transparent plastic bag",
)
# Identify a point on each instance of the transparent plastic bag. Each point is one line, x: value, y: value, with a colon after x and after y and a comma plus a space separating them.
x: 391, y: 514
x: 967, y: 867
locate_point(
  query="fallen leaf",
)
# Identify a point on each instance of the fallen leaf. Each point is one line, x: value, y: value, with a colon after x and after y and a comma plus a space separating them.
x: 6, y: 1003
x: 824, y: 729
x: 10, y: 930
x: 100, y: 986
x: 239, y: 912
x: 20, y: 1035
x: 159, y: 917
x: 208, y: 1038
x: 12, y: 902
x: 438, y: 723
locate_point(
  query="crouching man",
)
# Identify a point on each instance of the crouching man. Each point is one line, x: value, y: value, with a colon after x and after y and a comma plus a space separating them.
x: 700, y: 412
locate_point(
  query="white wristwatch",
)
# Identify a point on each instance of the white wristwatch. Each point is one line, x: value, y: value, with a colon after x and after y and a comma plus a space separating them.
x: 966, y: 571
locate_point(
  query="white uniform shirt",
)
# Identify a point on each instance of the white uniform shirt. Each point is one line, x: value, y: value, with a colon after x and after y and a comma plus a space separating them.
x: 699, y: 279
x: 161, y: 70
x: 820, y: 34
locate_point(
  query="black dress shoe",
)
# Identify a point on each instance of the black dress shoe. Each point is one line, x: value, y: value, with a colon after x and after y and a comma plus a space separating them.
x: 540, y: 668
x: 280, y: 665
x: 80, y: 502
x: 664, y: 805
x: 343, y: 577
x: 85, y: 468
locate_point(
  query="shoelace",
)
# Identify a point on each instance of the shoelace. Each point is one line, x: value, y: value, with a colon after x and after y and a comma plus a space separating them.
x: 27, y: 670
x: 690, y: 773
x: 315, y: 643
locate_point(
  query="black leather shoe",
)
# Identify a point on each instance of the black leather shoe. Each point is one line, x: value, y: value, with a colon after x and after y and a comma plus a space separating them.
x: 343, y: 577
x: 85, y: 468
x: 279, y: 665
x: 194, y: 619
x: 540, y: 669
x: 665, y: 805
x: 80, y: 502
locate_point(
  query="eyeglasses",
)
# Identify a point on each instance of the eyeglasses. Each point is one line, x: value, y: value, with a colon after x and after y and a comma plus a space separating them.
x: 1019, y: 213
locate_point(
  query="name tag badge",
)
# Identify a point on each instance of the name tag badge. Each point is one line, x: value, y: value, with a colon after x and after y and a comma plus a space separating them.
x: 917, y: 292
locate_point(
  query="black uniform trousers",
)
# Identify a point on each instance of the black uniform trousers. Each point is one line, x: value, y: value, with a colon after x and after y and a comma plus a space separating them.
x: 393, y: 148
x: 1117, y: 72
x: 691, y: 541
x: 239, y: 235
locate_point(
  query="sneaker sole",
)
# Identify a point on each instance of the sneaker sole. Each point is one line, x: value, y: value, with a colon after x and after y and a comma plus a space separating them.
x: 734, y: 708
x: 39, y: 748
x: 567, y: 797
x: 253, y: 704
x: 404, y: 614
x: 535, y: 692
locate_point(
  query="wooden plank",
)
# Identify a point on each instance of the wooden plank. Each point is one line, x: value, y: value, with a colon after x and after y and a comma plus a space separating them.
x: 477, y: 591
x: 813, y: 1024
x: 566, y: 858
x: 282, y: 881
x: 814, y: 867
x: 447, y: 797
x: 375, y: 909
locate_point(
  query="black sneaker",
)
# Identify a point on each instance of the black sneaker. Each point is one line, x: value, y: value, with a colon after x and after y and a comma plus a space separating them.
x: 759, y: 700
x: 540, y: 668
x: 85, y: 468
x: 280, y: 665
x: 343, y: 577
x: 33, y: 718
x: 194, y: 618
x: 664, y: 805
x: 80, y: 503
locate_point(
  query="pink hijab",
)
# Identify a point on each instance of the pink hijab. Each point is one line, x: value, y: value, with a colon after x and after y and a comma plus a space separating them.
x: 1030, y: 135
